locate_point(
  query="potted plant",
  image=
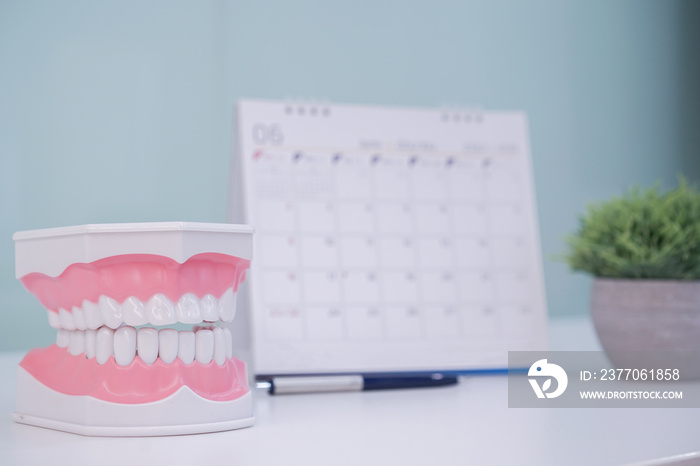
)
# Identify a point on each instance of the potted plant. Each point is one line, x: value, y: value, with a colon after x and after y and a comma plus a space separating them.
x: 644, y: 251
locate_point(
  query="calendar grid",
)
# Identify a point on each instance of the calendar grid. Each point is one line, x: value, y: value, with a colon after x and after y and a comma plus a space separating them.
x: 431, y: 246
x: 378, y: 277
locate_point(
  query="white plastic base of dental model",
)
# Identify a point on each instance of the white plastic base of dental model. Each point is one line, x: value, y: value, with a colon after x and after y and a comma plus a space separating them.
x: 183, y: 412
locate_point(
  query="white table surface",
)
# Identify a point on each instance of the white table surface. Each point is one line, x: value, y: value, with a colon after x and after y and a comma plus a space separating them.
x: 465, y: 424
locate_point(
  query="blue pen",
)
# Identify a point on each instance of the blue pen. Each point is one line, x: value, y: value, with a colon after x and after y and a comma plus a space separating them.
x: 344, y: 383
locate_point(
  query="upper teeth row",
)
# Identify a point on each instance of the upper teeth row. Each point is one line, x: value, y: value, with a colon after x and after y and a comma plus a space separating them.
x: 158, y: 310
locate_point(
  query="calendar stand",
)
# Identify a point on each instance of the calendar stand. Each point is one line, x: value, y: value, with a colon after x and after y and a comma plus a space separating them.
x: 388, y: 239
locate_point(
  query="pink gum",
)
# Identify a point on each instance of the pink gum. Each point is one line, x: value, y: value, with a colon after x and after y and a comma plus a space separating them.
x: 137, y: 382
x: 139, y: 275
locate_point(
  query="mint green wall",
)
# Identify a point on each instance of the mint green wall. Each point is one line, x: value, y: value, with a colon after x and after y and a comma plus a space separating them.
x: 117, y: 111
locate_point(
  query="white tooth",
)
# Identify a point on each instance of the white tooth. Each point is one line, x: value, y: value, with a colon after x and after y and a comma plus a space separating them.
x: 167, y: 345
x: 79, y: 318
x: 67, y: 321
x: 90, y: 338
x: 134, y: 312
x: 110, y: 311
x: 124, y: 345
x: 209, y: 306
x: 104, y: 344
x: 62, y: 338
x: 54, y: 319
x: 204, y: 350
x: 160, y: 311
x: 229, y: 343
x: 147, y: 344
x: 185, y: 349
x: 188, y: 309
x: 228, y: 305
x: 93, y: 319
x: 219, y: 346
x: 76, y: 345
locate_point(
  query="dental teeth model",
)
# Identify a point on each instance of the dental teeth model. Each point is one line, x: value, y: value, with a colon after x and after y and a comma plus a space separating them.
x: 111, y: 292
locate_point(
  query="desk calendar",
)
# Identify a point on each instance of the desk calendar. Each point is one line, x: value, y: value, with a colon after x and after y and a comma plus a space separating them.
x: 387, y: 239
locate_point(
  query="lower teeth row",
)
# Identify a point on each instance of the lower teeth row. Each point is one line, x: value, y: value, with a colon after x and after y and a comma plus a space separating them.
x: 125, y: 343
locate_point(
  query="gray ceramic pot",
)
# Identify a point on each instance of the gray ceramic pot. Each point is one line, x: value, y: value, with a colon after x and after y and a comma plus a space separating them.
x: 654, y: 316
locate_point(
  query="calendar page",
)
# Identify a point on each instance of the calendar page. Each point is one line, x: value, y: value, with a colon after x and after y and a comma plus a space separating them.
x: 388, y: 239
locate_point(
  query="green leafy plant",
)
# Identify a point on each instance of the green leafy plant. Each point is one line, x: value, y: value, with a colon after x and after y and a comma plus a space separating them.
x: 644, y: 234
